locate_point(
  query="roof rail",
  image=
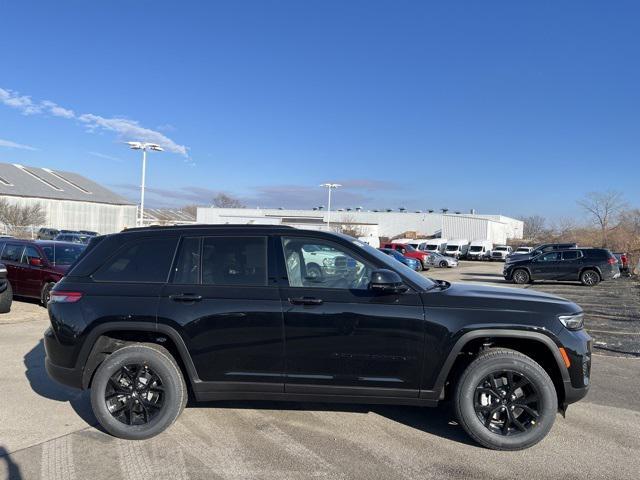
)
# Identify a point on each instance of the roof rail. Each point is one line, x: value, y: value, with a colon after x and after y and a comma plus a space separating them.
x: 212, y: 225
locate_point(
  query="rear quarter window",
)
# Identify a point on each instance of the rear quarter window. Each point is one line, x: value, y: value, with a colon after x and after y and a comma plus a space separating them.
x: 146, y: 260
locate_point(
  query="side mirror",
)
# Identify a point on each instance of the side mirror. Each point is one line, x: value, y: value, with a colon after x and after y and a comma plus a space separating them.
x: 35, y: 262
x: 387, y: 281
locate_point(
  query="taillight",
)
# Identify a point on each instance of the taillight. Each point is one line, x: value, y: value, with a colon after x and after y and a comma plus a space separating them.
x: 65, y: 297
x: 612, y: 261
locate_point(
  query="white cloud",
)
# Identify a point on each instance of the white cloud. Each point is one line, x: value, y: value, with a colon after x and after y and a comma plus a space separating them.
x: 10, y: 144
x: 125, y: 129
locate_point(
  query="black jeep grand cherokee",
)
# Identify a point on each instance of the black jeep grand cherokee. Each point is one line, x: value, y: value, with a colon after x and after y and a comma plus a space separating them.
x: 264, y: 312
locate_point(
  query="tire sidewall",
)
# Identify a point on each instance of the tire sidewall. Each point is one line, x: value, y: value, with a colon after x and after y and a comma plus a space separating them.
x: 472, y: 424
x: 589, y: 272
x: 515, y: 276
x: 6, y: 299
x: 164, y: 367
x: 45, y: 291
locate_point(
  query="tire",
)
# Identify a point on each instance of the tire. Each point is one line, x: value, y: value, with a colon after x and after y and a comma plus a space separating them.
x: 6, y: 299
x: 483, y: 414
x: 590, y: 278
x: 420, y: 267
x: 314, y: 272
x: 46, y: 292
x: 443, y: 264
x: 158, y: 405
x: 520, y: 276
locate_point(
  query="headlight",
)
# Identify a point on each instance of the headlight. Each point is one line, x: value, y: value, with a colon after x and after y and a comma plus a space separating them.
x: 327, y: 262
x: 572, y: 322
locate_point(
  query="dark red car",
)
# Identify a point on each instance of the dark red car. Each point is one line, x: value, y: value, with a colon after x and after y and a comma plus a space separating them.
x: 410, y: 252
x: 33, y: 267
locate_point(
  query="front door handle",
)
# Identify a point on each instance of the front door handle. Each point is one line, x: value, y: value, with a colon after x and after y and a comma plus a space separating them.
x: 305, y: 301
x: 185, y: 297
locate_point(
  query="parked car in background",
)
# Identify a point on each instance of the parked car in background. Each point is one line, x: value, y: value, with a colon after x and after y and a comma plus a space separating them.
x: 545, y: 247
x: 590, y: 266
x: 408, y: 251
x: 437, y: 245
x: 47, y: 233
x: 151, y: 316
x: 412, y: 263
x: 522, y: 251
x: 89, y: 233
x: 323, y: 262
x: 457, y: 248
x: 73, y: 238
x: 34, y: 266
x: 501, y: 252
x: 6, y: 295
x: 623, y: 263
x: 479, y: 250
x: 442, y: 261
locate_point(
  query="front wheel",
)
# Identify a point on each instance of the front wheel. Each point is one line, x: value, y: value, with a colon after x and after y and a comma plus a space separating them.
x: 6, y: 298
x: 420, y: 267
x: 138, y: 392
x: 443, y: 264
x: 505, y: 400
x: 521, y: 276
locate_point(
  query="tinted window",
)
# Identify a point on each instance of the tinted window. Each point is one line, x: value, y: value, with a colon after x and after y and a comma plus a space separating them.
x: 187, y: 266
x: 234, y: 261
x: 317, y: 263
x: 550, y: 257
x: 572, y: 255
x: 12, y: 253
x: 146, y: 260
x: 61, y: 254
x: 597, y: 253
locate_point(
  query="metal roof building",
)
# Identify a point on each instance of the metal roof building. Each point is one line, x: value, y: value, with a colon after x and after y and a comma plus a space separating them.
x: 379, y: 224
x: 69, y: 200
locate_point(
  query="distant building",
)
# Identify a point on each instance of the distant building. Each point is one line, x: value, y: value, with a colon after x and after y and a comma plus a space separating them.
x: 69, y: 200
x: 167, y: 216
x: 495, y: 228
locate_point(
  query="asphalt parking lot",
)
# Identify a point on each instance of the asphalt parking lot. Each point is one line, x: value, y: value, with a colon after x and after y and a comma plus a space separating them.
x: 47, y: 431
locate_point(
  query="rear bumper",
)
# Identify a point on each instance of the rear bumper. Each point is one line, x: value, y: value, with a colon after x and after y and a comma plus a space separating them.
x: 71, y: 377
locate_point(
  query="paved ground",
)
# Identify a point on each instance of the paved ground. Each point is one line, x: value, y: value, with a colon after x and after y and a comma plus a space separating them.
x: 46, y: 431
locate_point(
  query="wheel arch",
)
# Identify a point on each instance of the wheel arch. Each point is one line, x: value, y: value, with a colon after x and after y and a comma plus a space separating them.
x: 538, y: 346
x: 108, y: 338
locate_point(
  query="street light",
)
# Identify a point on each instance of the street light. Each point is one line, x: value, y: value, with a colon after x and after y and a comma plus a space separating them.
x: 330, y: 186
x: 144, y: 147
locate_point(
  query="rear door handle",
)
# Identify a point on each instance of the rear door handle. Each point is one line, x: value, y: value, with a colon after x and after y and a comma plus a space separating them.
x: 305, y: 301
x: 185, y: 297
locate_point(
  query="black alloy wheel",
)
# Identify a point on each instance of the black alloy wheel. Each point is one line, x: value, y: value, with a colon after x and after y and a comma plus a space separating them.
x: 521, y: 276
x: 134, y: 394
x: 507, y: 403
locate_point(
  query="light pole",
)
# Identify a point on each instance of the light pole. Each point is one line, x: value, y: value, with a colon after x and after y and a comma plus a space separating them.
x: 144, y: 147
x: 330, y: 186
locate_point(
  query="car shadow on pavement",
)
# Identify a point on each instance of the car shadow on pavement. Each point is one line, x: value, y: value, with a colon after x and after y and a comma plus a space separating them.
x: 439, y: 421
x: 48, y: 388
x: 12, y: 469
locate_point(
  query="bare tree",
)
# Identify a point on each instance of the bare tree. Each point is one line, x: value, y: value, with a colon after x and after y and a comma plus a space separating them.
x: 604, y: 208
x: 534, y: 227
x: 17, y: 217
x: 191, y: 210
x: 349, y: 226
x: 222, y: 200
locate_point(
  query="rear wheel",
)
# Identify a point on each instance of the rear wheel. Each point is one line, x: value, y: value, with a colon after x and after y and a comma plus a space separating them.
x: 6, y: 298
x: 521, y: 276
x: 590, y: 278
x: 443, y: 264
x: 138, y: 392
x: 505, y: 400
x: 420, y: 267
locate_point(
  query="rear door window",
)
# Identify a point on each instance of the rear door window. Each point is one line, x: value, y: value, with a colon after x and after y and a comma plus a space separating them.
x: 12, y: 252
x: 572, y: 255
x: 146, y: 260
x: 186, y: 269
x: 234, y: 261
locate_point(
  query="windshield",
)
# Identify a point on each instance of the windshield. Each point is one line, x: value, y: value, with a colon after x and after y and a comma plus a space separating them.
x: 421, y: 281
x: 475, y: 248
x: 432, y: 246
x: 501, y: 249
x: 62, y: 255
x: 452, y: 248
x: 522, y: 250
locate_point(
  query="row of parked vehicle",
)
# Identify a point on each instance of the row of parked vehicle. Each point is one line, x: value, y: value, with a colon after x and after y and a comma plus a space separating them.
x: 462, y: 248
x: 73, y: 236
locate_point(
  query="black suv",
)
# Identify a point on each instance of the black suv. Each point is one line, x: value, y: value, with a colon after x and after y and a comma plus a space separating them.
x: 588, y: 265
x: 545, y: 247
x: 234, y: 313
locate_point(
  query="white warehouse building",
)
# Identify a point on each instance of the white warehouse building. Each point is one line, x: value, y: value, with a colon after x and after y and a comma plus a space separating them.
x: 69, y: 201
x: 495, y: 228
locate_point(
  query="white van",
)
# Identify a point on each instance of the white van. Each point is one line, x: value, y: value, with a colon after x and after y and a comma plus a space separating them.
x: 457, y: 248
x: 430, y: 245
x: 479, y: 250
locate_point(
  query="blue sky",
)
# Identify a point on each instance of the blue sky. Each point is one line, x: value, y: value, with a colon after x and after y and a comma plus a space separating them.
x: 505, y: 107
